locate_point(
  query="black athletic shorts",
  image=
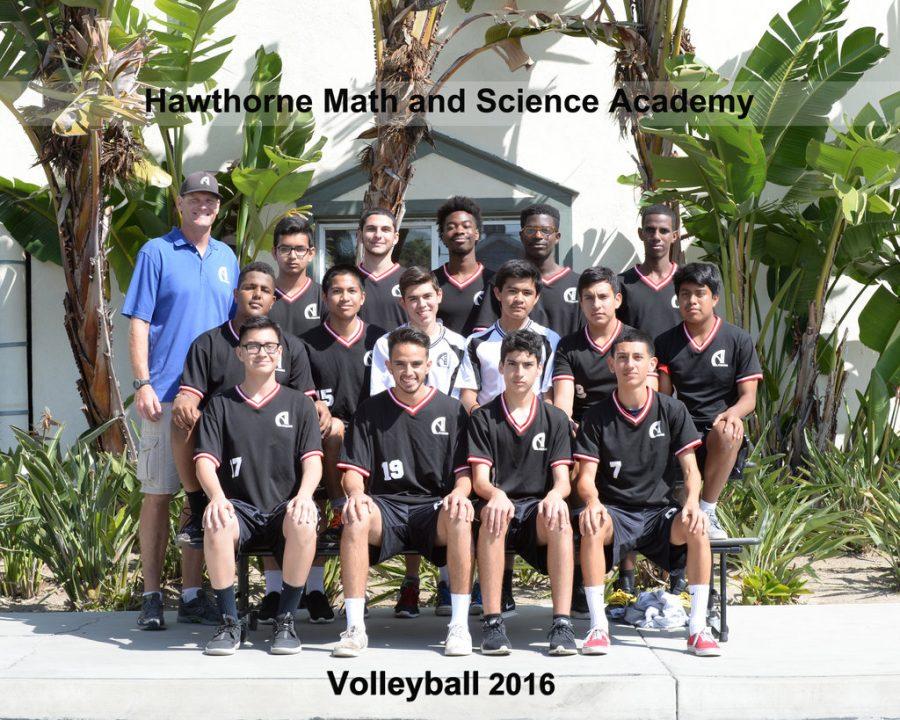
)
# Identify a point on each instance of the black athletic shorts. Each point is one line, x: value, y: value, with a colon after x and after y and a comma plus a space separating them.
x: 260, y: 531
x: 521, y: 536
x: 643, y: 530
x: 408, y: 527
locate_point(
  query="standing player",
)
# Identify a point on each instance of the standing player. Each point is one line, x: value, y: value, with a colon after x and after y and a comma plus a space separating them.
x: 377, y: 234
x: 408, y: 442
x: 299, y: 306
x: 557, y: 307
x: 259, y: 459
x: 526, y: 445
x: 713, y: 366
x: 625, y: 448
x: 467, y: 304
x: 182, y: 286
x: 648, y: 293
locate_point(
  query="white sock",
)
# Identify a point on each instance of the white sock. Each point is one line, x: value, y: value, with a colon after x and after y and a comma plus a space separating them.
x: 699, y: 600
x: 445, y: 574
x: 597, y: 605
x: 189, y: 594
x: 273, y: 581
x: 316, y: 580
x: 707, y: 507
x: 459, y: 609
x: 355, y: 608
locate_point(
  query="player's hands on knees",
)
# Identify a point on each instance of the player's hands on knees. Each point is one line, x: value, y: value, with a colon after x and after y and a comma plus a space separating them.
x: 302, y: 510
x: 592, y: 518
x: 325, y: 418
x: 147, y: 403
x: 497, y: 513
x: 731, y: 424
x: 555, y: 511
x: 459, y: 506
x: 696, y: 521
x: 357, y: 508
x: 219, y: 512
x: 185, y: 413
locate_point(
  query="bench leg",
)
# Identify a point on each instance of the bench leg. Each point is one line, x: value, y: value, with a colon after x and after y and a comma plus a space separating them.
x: 243, y: 584
x: 723, y: 596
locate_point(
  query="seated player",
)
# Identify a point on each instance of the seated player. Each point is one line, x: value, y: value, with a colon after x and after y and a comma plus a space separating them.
x: 377, y: 235
x: 409, y: 443
x: 626, y: 447
x: 259, y: 460
x: 520, y: 453
x: 298, y: 305
x: 420, y: 297
x: 713, y: 367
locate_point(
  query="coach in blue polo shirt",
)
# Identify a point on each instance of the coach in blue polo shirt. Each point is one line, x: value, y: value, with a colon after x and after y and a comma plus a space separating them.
x: 182, y: 286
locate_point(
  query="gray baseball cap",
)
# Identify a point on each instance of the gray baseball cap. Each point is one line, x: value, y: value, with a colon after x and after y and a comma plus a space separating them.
x: 202, y: 181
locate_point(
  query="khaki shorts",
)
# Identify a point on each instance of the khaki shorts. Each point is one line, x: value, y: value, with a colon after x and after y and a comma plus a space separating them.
x: 156, y: 466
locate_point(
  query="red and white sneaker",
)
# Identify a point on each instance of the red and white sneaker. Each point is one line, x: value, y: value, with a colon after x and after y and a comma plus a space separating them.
x: 703, y: 644
x: 596, y: 642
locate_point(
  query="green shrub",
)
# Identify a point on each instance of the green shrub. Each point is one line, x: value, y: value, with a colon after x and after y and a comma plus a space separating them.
x: 761, y: 587
x: 882, y: 524
x: 20, y: 570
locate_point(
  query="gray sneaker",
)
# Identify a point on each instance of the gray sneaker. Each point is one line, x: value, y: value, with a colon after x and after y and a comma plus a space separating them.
x: 151, y: 617
x: 716, y: 531
x: 284, y: 637
x: 202, y: 610
x: 227, y: 638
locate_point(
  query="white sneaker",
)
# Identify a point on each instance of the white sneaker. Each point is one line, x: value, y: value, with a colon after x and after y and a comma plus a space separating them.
x: 716, y: 531
x: 459, y: 641
x: 353, y: 641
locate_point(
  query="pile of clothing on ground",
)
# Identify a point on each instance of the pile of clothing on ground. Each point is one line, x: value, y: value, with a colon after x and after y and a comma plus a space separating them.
x: 656, y: 609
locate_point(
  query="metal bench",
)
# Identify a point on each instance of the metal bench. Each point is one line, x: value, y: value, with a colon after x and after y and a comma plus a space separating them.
x: 718, y: 602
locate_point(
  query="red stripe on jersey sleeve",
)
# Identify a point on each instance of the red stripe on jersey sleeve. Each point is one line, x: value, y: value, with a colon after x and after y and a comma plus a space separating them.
x: 563, y: 377
x: 689, y: 446
x: 310, y: 393
x: 190, y: 390
x: 663, y: 368
x: 589, y: 458
x: 562, y: 462
x: 349, y: 466
x: 312, y: 453
x: 757, y: 376
x: 475, y: 460
x: 211, y: 458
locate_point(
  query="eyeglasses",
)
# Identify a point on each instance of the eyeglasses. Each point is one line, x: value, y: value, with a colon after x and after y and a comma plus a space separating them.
x: 253, y: 348
x: 287, y: 251
x: 534, y: 230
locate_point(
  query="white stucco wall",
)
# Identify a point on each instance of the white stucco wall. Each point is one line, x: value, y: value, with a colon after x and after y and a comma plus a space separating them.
x: 327, y: 44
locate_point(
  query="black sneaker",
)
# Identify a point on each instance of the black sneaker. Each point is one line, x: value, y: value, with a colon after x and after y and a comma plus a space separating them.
x: 562, y: 638
x: 494, y: 639
x: 202, y: 610
x: 625, y: 583
x: 151, y: 617
x: 320, y: 610
x: 408, y: 603
x: 284, y: 637
x: 507, y: 602
x: 268, y: 608
x: 191, y: 533
x: 677, y: 582
x: 579, y: 602
x: 227, y: 639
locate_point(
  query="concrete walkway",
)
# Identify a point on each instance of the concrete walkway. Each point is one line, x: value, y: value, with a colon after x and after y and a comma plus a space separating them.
x: 832, y: 661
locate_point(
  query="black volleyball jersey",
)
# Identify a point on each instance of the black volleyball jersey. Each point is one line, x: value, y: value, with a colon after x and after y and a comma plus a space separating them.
x: 635, y: 453
x: 382, y: 306
x: 581, y: 360
x: 341, y: 369
x: 466, y: 306
x: 707, y: 376
x: 557, y: 306
x: 301, y: 310
x: 257, y: 448
x: 411, y: 454
x: 649, y: 307
x: 212, y: 364
x: 522, y: 457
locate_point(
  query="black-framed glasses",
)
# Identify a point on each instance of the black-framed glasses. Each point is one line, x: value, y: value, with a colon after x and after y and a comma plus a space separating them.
x: 287, y: 251
x: 535, y: 230
x: 253, y: 348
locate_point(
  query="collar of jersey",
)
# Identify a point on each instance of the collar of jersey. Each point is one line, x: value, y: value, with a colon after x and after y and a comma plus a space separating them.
x: 233, y: 333
x: 179, y: 240
x: 296, y: 294
x: 468, y: 281
x: 437, y: 340
x: 262, y: 403
x: 709, y: 338
x: 603, y: 349
x: 532, y: 414
x: 375, y: 277
x: 553, y: 278
x: 634, y: 420
x: 353, y: 338
x: 662, y: 283
x: 413, y: 409
x: 526, y: 326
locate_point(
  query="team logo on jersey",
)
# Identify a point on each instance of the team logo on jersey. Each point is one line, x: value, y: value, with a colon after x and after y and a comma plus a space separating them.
x: 656, y: 430
x: 311, y: 312
x: 579, y: 392
x: 479, y: 296
x: 571, y: 295
x: 395, y: 291
x: 223, y: 274
x: 283, y: 419
x: 675, y: 301
x: 439, y: 426
x: 443, y: 360
x: 367, y: 359
x: 718, y: 359
x: 539, y: 442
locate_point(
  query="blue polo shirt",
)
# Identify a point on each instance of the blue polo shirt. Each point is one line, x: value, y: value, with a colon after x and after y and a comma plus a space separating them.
x: 181, y: 295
